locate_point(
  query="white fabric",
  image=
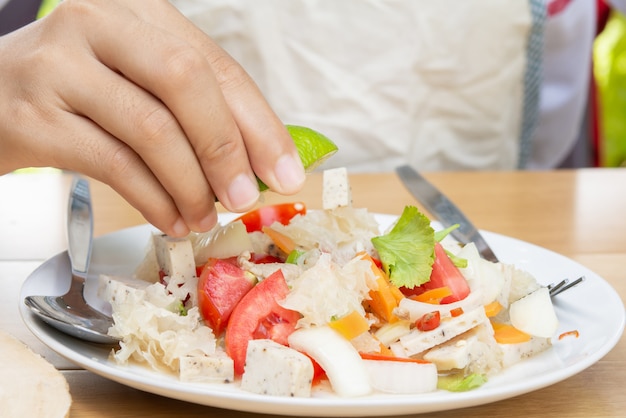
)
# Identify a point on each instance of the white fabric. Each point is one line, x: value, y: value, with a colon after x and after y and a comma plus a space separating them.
x: 3, y: 3
x: 437, y: 84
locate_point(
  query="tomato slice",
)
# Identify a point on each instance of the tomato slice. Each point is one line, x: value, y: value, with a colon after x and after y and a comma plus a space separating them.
x: 444, y: 274
x: 267, y: 215
x: 258, y: 315
x: 265, y: 259
x: 319, y: 374
x: 221, y: 286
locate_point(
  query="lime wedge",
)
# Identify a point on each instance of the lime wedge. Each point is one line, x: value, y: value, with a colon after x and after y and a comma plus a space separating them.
x: 313, y: 148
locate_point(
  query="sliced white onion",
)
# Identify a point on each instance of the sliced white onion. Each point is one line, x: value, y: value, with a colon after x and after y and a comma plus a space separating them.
x: 402, y: 377
x: 416, y: 309
x: 339, y: 359
x: 225, y: 241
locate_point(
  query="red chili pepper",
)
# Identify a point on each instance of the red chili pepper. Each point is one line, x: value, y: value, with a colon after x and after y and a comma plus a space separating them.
x: 573, y: 333
x: 429, y: 321
x: 456, y: 312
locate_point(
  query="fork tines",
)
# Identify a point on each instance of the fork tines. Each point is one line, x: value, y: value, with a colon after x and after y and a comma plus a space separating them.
x: 563, y: 285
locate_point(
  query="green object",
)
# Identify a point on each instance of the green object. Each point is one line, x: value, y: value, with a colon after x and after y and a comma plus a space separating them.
x: 46, y: 7
x: 460, y: 383
x: 293, y: 256
x: 440, y: 235
x: 313, y: 148
x: 609, y: 56
x: 457, y: 261
x: 407, y: 251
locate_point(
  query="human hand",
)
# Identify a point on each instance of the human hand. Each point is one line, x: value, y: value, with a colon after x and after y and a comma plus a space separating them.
x: 133, y: 94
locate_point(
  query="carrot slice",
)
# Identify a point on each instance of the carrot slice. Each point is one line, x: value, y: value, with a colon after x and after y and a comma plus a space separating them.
x: 492, y: 309
x: 383, y: 357
x: 508, y: 334
x: 385, y: 351
x: 281, y: 240
x: 351, y: 325
x: 433, y: 296
x: 396, y: 292
x: 384, y: 298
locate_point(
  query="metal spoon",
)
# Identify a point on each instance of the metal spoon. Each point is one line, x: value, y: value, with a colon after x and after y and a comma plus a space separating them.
x: 71, y: 313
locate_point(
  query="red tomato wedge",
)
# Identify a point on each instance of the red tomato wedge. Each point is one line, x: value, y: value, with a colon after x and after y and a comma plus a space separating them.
x: 221, y: 286
x: 258, y: 315
x: 444, y: 274
x: 318, y: 373
x: 267, y: 215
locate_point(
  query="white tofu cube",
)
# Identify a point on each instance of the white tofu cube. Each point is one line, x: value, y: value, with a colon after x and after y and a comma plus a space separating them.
x: 207, y: 369
x: 275, y: 369
x: 175, y: 257
x: 475, y: 351
x: 336, y: 191
x: 514, y: 353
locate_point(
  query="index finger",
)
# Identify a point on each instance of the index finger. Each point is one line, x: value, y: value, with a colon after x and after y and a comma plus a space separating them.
x: 231, y: 127
x: 270, y: 149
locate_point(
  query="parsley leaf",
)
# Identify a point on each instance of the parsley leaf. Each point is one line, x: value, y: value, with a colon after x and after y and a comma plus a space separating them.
x: 407, y: 251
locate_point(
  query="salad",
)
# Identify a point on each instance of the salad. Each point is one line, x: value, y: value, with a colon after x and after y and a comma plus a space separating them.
x: 283, y: 300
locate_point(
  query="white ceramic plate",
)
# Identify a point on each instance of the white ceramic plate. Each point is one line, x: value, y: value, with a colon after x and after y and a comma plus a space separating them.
x: 577, y: 309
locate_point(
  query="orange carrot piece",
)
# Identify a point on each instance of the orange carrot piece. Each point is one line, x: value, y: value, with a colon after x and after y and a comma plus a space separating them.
x: 281, y: 240
x: 508, y: 334
x: 386, y: 351
x: 396, y: 292
x: 351, y: 325
x: 383, y: 299
x: 382, y: 357
x: 433, y: 296
x: 492, y: 309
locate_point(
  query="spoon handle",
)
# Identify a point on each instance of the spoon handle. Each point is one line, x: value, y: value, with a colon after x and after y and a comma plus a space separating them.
x: 79, y: 226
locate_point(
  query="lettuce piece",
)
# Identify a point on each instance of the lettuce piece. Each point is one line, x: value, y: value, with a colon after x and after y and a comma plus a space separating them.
x: 407, y: 251
x: 460, y: 383
x: 457, y: 261
x: 442, y: 233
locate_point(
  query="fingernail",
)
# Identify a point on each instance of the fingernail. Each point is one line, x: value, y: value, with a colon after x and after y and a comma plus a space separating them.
x: 207, y: 222
x: 242, y: 192
x: 180, y: 228
x: 289, y: 173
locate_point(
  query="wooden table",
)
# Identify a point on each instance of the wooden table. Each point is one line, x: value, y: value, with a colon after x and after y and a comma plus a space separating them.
x: 581, y: 214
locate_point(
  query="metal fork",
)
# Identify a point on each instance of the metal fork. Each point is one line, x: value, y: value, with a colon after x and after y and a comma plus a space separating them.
x: 563, y: 285
x: 449, y: 214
